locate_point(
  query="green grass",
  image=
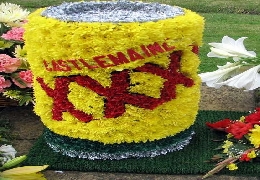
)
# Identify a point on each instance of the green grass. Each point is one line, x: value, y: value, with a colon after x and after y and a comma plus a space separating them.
x: 217, y: 6
x: 233, y: 25
x: 235, y: 18
x: 224, y: 6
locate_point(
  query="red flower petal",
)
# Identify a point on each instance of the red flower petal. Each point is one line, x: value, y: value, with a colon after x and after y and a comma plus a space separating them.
x: 253, y: 118
x: 221, y: 125
x: 244, y: 157
x: 239, y: 129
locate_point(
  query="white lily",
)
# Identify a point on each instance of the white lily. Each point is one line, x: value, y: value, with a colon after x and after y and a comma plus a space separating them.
x: 224, y: 72
x: 230, y: 48
x: 249, y: 79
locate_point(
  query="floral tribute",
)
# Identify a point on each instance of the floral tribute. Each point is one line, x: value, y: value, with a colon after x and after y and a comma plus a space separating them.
x: 242, y: 143
x: 116, y: 96
x: 15, y: 74
x: 115, y: 83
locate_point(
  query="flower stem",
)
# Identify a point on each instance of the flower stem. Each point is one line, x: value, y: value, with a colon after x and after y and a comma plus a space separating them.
x: 220, y: 166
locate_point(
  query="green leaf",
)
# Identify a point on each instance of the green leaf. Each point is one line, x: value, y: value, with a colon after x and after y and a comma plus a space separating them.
x: 3, y: 28
x: 237, y: 148
x: 23, y: 96
x: 4, y: 140
x: 3, y: 129
x: 14, y: 162
x: 5, y: 44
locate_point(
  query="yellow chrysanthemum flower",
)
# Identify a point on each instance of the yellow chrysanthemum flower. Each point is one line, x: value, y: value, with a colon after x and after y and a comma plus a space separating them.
x: 227, y: 145
x: 92, y: 50
x: 254, y: 136
x: 12, y: 14
x: 252, y: 154
x: 20, y: 52
x: 242, y: 118
x: 232, y: 166
x: 229, y: 135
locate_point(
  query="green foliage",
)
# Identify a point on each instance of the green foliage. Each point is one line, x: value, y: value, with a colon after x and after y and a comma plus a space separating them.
x: 22, y: 96
x: 4, y: 131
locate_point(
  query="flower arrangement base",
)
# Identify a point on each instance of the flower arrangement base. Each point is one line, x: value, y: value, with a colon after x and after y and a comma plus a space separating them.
x: 191, y: 160
x: 85, y: 149
x: 115, y: 81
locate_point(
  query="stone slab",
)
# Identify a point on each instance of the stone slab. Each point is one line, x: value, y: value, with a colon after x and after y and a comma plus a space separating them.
x: 227, y: 99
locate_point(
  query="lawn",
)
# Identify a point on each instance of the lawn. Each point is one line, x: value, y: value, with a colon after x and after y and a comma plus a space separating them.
x: 233, y: 25
x: 205, y: 6
x: 235, y: 18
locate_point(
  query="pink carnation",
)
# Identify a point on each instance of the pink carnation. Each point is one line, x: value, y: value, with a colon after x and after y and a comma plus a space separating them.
x: 4, y: 83
x: 8, y: 64
x: 16, y: 33
x: 26, y: 77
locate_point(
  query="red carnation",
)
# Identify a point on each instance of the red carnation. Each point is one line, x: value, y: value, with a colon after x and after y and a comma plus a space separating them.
x: 221, y: 125
x: 244, y: 157
x: 239, y: 129
x: 253, y: 118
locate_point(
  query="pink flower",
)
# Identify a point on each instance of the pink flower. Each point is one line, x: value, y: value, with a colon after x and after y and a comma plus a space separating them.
x: 24, y: 79
x: 4, y: 83
x: 8, y: 64
x: 16, y: 33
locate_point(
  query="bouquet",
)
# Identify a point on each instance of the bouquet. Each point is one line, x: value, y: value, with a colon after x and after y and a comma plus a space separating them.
x: 15, y: 73
x: 241, y: 72
x: 242, y: 143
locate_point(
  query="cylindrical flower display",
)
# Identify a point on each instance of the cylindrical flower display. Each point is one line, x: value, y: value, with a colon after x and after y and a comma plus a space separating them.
x: 114, y: 80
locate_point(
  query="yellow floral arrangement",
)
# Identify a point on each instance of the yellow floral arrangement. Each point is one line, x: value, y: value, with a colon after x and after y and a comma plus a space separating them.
x: 115, y: 82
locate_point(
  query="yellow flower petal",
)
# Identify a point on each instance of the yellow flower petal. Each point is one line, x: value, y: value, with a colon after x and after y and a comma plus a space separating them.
x: 252, y: 154
x: 254, y: 137
x: 227, y: 145
x: 23, y: 170
x: 232, y: 167
x: 33, y: 176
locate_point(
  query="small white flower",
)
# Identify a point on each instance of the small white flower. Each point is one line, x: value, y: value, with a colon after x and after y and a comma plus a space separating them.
x: 7, y: 152
x: 224, y: 72
x: 230, y: 48
x: 249, y: 79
